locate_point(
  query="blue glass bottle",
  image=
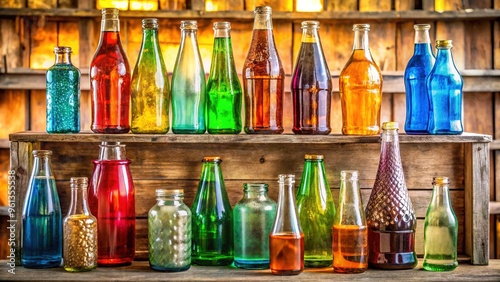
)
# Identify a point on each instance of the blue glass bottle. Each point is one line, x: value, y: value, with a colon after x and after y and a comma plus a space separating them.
x: 417, y: 69
x: 63, y: 94
x: 42, y: 220
x: 444, y: 85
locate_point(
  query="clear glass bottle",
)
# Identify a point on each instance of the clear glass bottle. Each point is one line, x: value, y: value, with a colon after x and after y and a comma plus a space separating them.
x: 150, y: 90
x: 188, y: 84
x: 63, y: 94
x: 169, y: 232
x: 263, y: 78
x: 80, y: 230
x: 110, y: 79
x: 415, y: 77
x: 441, y: 229
x: 286, y: 240
x: 444, y: 85
x: 360, y: 87
x: 212, y: 239
x: 350, y: 232
x: 112, y: 202
x: 316, y: 211
x: 311, y: 85
x: 42, y: 234
x: 223, y: 87
x: 253, y: 219
x: 389, y: 213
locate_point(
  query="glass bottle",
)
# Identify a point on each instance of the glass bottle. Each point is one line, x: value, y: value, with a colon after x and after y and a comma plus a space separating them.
x: 42, y: 219
x: 253, y: 219
x: 63, y: 94
x: 112, y: 201
x: 110, y: 79
x: 212, y: 239
x: 441, y: 229
x: 316, y: 211
x: 360, y: 87
x: 223, y: 87
x: 444, y: 85
x: 286, y: 240
x: 311, y: 85
x: 188, y: 84
x: 263, y: 78
x: 415, y: 77
x: 169, y: 232
x: 350, y: 233
x: 389, y: 214
x: 80, y: 230
x: 150, y: 90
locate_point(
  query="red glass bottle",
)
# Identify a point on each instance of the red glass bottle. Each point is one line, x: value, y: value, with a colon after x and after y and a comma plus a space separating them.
x: 112, y: 201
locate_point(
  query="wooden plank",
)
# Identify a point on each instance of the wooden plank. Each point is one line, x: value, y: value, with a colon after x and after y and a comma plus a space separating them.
x: 69, y: 35
x: 282, y: 6
x: 85, y: 110
x: 37, y: 110
x: 478, y: 113
x: 448, y: 5
x: 12, y: 104
x: 478, y: 45
x: 197, y: 5
x: 172, y: 5
x: 381, y: 5
x: 223, y: 5
x: 342, y: 5
x: 456, y: 32
x: 404, y: 5
x: 382, y: 44
x: 43, y: 40
x: 13, y: 3
x: 38, y: 4
x: 10, y: 45
x: 4, y: 177
x: 399, y: 109
x: 342, y: 40
x: 405, y: 42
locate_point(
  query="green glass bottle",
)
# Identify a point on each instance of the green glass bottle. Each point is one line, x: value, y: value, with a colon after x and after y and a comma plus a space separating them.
x: 150, y: 89
x: 223, y: 87
x: 212, y: 218
x: 316, y: 212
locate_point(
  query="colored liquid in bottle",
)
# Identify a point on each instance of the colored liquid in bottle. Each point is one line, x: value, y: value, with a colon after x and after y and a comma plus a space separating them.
x: 391, y: 249
x: 286, y: 253
x: 350, y: 248
x: 80, y: 243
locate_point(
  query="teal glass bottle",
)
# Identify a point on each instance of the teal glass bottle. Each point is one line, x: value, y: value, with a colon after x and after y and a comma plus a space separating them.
x: 224, y: 92
x: 63, y: 94
x: 212, y: 224
x: 188, y: 84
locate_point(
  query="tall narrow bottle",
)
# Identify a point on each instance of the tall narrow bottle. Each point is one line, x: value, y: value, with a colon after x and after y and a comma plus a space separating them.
x: 188, y: 84
x: 417, y: 69
x: 444, y: 85
x: 441, y: 229
x: 110, y: 79
x: 263, y: 78
x: 389, y: 214
x: 316, y: 211
x: 223, y: 87
x: 350, y: 233
x: 63, y: 94
x: 150, y: 89
x: 212, y: 240
x: 360, y: 87
x: 42, y: 220
x: 286, y: 241
x: 112, y: 202
x: 311, y: 85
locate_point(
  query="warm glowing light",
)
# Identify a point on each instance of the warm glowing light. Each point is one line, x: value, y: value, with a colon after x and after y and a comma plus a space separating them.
x: 309, y: 5
x: 144, y: 5
x: 209, y: 6
x: 119, y: 4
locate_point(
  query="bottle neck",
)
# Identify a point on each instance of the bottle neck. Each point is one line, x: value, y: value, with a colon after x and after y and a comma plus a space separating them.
x: 350, y: 209
x: 42, y: 166
x: 110, y: 20
x: 110, y: 152
x: 286, y: 220
x: 310, y: 34
x: 441, y: 195
x: 222, y: 33
x: 444, y: 56
x: 211, y: 172
x: 63, y: 58
x: 149, y: 35
x: 361, y: 40
x: 422, y: 36
x: 79, y: 203
x: 263, y: 21
x: 172, y: 200
x: 255, y: 191
x: 314, y: 171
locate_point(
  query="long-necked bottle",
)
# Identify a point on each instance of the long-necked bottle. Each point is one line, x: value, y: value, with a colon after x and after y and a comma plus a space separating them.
x: 360, y: 86
x: 311, y: 85
x: 188, y: 84
x: 263, y: 78
x: 80, y: 230
x: 441, y: 229
x: 63, y: 94
x: 223, y: 88
x: 316, y: 211
x: 212, y: 240
x: 42, y: 220
x: 110, y: 79
x: 112, y: 202
x: 150, y: 90
x: 350, y: 232
x: 389, y: 213
x: 416, y: 72
x: 286, y: 240
x: 444, y: 85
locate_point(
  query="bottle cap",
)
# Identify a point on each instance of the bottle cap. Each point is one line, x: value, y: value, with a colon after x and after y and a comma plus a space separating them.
x: 189, y: 25
x: 263, y: 10
x: 222, y: 25
x: 211, y: 159
x: 440, y: 180
x: 361, y: 27
x: 313, y: 157
x: 151, y: 23
x: 444, y: 43
x: 62, y: 49
x: 42, y: 153
x: 309, y: 24
x: 390, y: 125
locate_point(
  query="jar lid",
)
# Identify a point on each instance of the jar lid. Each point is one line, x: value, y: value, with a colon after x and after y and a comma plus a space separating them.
x: 390, y: 125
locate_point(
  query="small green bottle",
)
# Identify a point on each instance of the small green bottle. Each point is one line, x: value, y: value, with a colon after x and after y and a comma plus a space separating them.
x: 223, y: 87
x: 440, y: 230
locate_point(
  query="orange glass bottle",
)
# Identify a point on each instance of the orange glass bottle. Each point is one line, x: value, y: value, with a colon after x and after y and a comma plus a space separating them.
x: 360, y: 87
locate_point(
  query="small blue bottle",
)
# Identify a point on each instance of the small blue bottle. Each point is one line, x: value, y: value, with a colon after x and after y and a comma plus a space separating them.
x: 42, y: 220
x: 417, y: 69
x: 444, y: 85
x: 63, y: 94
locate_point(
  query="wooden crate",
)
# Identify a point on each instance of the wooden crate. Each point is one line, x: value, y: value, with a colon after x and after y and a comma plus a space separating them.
x: 174, y: 161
